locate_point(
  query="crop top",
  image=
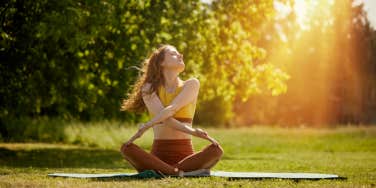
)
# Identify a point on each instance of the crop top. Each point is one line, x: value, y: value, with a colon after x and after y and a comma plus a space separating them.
x: 184, y: 114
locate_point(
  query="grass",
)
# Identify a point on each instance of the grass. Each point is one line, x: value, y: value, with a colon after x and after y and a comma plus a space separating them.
x: 347, y: 151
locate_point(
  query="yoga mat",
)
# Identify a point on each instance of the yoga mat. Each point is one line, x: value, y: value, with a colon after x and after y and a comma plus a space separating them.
x: 144, y: 174
x: 286, y: 175
x: 230, y: 175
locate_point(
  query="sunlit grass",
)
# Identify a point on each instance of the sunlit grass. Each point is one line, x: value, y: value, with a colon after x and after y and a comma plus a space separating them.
x: 346, y: 151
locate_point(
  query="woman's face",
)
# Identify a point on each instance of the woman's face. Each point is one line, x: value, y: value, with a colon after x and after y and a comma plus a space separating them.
x: 173, y: 59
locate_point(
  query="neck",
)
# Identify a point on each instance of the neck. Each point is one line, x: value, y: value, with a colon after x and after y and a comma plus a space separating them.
x: 171, y: 79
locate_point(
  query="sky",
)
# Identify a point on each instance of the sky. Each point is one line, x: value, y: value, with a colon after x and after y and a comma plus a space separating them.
x: 370, y: 8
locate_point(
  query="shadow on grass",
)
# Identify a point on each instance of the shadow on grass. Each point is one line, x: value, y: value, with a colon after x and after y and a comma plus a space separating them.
x: 63, y: 158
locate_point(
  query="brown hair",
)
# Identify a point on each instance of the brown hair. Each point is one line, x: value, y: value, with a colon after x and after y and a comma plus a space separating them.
x: 151, y: 73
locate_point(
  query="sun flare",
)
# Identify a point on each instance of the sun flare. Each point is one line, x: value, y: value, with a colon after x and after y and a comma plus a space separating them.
x: 301, y: 12
x: 320, y: 30
x: 304, y: 10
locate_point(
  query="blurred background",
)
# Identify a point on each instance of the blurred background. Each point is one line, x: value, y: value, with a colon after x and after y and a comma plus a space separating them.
x: 309, y: 63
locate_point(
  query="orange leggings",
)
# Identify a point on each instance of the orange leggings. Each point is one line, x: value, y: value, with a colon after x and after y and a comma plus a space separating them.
x: 166, y: 155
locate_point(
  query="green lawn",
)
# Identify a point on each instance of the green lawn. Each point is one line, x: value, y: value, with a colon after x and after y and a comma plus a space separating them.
x: 347, y: 151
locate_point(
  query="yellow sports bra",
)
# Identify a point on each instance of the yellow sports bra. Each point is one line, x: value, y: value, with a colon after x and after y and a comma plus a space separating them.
x: 186, y: 113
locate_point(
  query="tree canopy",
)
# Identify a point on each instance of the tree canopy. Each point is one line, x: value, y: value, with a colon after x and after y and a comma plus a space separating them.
x: 79, y: 59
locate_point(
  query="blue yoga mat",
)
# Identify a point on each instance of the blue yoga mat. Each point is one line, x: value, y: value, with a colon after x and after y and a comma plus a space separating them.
x: 231, y: 175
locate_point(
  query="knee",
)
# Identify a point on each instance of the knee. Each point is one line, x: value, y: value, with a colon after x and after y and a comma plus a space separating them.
x: 217, y: 150
x: 125, y: 149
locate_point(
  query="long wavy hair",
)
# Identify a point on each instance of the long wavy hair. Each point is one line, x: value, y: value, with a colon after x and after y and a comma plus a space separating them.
x: 151, y: 73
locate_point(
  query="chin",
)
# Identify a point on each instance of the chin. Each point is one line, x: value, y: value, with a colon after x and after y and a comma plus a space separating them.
x: 182, y: 65
x: 181, y: 68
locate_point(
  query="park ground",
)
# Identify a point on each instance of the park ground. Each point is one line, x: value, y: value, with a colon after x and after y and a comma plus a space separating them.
x: 347, y: 150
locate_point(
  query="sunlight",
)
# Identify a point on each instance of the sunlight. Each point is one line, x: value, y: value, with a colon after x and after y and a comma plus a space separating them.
x: 301, y: 11
x: 312, y: 34
x: 304, y: 10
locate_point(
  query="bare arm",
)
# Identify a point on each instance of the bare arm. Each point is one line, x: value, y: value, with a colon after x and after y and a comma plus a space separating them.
x: 188, y: 94
x: 155, y: 106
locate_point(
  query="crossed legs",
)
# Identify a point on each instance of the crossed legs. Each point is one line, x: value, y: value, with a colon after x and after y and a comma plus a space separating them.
x: 142, y: 160
x: 205, y: 159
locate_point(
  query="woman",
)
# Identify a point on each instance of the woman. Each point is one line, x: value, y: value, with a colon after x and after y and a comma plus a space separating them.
x: 171, y: 101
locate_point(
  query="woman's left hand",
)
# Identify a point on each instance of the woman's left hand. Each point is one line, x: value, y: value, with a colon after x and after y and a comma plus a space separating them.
x: 203, y: 134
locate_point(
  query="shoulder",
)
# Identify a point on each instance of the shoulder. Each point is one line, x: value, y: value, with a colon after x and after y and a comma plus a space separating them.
x: 192, y: 82
x: 146, y: 87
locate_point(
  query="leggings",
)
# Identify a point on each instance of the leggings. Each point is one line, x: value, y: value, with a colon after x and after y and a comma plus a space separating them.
x: 167, y: 155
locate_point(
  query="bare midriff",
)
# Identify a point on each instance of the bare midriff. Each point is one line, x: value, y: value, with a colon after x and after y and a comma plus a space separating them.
x: 162, y: 131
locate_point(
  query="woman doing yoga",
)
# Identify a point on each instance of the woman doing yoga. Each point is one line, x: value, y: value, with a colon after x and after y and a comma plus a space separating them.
x: 171, y: 102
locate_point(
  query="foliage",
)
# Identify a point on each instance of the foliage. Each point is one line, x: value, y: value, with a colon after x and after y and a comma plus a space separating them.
x: 235, y: 67
x: 76, y: 59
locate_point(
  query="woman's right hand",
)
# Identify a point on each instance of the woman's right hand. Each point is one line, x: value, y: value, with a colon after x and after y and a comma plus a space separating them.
x: 203, y: 134
x: 142, y: 128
